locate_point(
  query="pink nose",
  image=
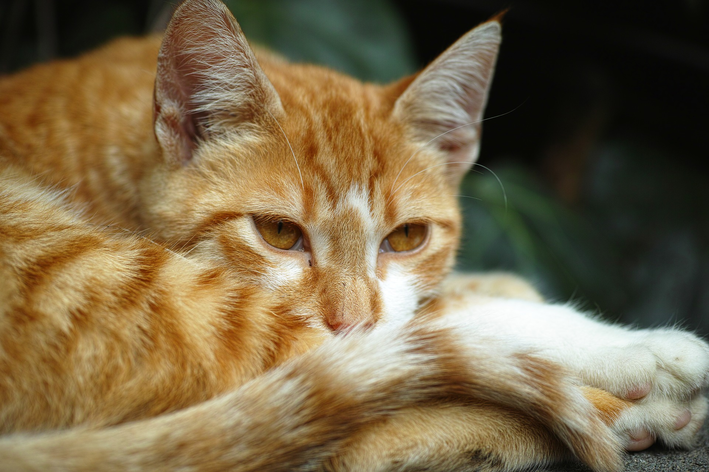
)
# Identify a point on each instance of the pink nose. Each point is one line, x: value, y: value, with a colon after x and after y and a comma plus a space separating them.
x: 340, y: 324
x: 335, y: 324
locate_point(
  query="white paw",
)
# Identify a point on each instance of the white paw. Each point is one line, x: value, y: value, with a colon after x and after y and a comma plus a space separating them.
x: 682, y: 363
x: 663, y: 372
x: 655, y: 364
x: 672, y: 423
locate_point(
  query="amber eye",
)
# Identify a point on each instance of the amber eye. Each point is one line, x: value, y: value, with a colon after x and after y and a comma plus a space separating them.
x: 406, y: 237
x: 278, y: 233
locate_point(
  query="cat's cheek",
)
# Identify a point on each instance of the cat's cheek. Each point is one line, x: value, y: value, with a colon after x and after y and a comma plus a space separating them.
x: 399, y: 296
x: 287, y: 272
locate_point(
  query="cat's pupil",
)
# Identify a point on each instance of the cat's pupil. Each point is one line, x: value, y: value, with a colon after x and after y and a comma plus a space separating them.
x: 406, y: 230
x: 280, y: 226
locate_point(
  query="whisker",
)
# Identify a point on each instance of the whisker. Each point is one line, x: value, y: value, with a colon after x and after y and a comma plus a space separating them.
x: 143, y: 236
x: 302, y: 184
x: 189, y: 251
x: 423, y: 146
x: 420, y: 172
x: 504, y: 193
x: 468, y: 196
x: 500, y: 115
x: 173, y: 252
x: 187, y: 243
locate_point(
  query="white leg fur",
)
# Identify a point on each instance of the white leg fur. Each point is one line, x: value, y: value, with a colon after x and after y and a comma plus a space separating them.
x: 665, y: 368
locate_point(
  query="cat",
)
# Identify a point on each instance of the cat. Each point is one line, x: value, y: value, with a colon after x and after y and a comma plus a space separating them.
x: 215, y: 261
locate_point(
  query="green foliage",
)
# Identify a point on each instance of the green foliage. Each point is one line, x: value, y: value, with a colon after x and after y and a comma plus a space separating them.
x: 653, y: 208
x: 512, y: 223
x: 364, y: 38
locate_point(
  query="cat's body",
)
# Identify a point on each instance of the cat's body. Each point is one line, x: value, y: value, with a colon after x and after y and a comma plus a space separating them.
x: 282, y: 206
x: 437, y: 399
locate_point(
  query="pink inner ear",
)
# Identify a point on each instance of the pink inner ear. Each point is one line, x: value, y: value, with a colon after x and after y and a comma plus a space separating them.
x: 444, y: 104
x: 175, y: 84
x: 206, y: 71
x: 450, y: 147
x: 173, y: 133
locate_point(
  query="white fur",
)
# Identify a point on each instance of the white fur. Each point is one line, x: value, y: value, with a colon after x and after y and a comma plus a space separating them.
x: 320, y: 244
x: 357, y: 199
x: 399, y: 296
x: 288, y: 271
x: 617, y: 359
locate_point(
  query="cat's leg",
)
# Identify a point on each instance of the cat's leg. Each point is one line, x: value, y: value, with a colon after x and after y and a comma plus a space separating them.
x: 479, y: 436
x: 314, y: 407
x: 662, y: 371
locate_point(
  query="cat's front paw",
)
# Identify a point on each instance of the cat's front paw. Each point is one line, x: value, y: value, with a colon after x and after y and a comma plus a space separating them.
x: 651, y: 365
x: 672, y: 423
x: 681, y: 360
x: 666, y: 373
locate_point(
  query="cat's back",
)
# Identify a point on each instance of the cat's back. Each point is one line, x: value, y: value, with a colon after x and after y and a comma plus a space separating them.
x: 61, y: 118
x: 120, y: 52
x: 114, y: 70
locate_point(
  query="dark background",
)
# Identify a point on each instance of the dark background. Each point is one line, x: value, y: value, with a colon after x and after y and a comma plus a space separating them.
x: 598, y: 126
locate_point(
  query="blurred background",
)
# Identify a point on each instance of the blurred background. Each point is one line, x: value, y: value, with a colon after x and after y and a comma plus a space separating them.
x: 596, y: 146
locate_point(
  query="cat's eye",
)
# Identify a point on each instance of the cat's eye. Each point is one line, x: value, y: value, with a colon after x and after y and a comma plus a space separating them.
x: 406, y: 237
x: 279, y: 233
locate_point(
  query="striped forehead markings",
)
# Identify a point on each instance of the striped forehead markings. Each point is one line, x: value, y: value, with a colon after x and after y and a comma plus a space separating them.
x: 356, y: 230
x: 357, y: 198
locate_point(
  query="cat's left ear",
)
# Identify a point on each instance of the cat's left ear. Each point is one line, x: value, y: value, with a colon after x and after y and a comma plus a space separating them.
x: 208, y: 80
x: 443, y: 107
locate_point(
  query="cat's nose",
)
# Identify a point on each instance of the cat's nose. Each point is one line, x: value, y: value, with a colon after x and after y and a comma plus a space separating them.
x: 342, y: 324
x: 335, y: 323
x: 349, y: 304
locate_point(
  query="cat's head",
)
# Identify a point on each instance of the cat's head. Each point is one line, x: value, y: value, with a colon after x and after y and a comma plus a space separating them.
x: 338, y: 197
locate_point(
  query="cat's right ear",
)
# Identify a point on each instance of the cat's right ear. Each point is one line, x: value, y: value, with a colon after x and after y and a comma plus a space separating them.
x: 207, y: 80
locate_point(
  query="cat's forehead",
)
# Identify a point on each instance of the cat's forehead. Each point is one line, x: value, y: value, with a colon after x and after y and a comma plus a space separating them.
x: 305, y: 173
x: 337, y: 151
x: 342, y: 130
x: 353, y: 155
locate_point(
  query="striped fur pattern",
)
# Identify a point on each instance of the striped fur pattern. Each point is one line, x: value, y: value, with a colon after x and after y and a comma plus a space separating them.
x: 189, y: 330
x: 146, y: 318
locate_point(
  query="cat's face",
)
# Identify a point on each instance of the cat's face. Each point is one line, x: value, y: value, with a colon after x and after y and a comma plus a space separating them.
x: 336, y: 197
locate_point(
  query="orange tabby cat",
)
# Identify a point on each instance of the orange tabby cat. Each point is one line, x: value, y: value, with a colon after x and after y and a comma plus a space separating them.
x: 286, y: 308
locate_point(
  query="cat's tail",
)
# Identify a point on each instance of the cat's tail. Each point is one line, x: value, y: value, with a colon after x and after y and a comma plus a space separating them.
x: 297, y: 416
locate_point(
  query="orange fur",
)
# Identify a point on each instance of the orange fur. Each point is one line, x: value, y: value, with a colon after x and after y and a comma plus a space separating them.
x: 609, y: 406
x: 100, y: 326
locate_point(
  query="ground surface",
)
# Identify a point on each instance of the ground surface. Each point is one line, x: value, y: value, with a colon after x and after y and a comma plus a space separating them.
x: 657, y: 459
